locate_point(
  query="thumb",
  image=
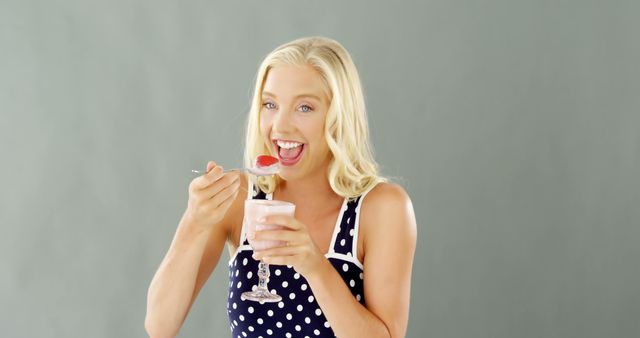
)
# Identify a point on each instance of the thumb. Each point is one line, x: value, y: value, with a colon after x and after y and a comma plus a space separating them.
x: 210, y: 165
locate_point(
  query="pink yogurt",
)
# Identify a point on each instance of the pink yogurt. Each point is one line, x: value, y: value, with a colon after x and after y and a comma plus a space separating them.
x: 255, y: 209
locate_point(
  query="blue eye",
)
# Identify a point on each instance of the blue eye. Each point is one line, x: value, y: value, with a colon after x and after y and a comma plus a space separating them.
x: 308, y: 109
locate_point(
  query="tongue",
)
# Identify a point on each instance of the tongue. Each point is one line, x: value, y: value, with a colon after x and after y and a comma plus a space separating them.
x: 290, y: 154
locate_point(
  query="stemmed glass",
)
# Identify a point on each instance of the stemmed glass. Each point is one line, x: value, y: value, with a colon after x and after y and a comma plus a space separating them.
x: 253, y: 211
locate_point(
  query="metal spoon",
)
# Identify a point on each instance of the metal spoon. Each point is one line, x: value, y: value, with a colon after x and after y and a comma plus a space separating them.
x: 271, y: 170
x: 226, y: 171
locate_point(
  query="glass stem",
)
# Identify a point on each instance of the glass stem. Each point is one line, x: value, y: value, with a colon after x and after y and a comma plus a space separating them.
x: 263, y: 274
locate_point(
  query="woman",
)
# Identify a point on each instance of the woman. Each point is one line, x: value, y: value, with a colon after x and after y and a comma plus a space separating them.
x: 346, y: 267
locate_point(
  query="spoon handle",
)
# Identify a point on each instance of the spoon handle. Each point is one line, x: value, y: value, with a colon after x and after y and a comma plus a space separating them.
x: 226, y: 171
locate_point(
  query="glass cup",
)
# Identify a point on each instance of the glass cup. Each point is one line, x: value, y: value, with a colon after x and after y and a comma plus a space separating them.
x: 253, y: 211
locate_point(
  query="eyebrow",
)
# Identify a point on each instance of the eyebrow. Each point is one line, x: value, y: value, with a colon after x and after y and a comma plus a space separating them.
x: 297, y: 97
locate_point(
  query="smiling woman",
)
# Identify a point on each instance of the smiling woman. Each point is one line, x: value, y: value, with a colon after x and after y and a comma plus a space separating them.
x: 345, y: 267
x: 291, y: 123
x: 314, y: 79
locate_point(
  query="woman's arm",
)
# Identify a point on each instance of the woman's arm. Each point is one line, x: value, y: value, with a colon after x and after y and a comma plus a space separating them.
x: 189, y: 262
x: 388, y: 227
x: 171, y: 291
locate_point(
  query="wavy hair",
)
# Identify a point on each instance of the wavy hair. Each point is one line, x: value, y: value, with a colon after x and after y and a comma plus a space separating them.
x: 352, y: 169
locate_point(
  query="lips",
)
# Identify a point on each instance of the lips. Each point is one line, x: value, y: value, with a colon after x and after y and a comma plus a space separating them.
x: 287, y: 161
x: 285, y: 156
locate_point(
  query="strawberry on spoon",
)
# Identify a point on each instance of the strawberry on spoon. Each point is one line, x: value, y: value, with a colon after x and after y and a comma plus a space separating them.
x: 265, y: 165
x: 265, y: 161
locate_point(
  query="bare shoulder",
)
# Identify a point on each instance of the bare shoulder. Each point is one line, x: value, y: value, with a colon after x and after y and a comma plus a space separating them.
x: 387, y: 192
x: 387, y: 210
x: 387, y: 200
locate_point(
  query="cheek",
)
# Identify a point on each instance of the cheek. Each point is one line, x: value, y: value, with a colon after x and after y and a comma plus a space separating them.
x: 319, y: 140
x: 265, y: 125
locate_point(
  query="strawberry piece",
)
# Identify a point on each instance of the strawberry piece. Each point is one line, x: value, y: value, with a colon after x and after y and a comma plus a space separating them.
x: 265, y: 161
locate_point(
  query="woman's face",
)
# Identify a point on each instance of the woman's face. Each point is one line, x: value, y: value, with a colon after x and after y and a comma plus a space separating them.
x: 292, y: 118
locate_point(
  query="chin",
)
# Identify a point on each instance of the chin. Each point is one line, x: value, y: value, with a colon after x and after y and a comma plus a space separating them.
x: 291, y: 175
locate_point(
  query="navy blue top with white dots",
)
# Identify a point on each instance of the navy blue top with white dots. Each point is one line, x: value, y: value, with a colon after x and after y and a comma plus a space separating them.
x: 298, y: 314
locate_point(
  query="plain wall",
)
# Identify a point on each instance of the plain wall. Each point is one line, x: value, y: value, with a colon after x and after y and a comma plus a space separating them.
x: 513, y: 125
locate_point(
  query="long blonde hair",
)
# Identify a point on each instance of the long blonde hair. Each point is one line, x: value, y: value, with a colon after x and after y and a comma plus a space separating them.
x: 352, y: 169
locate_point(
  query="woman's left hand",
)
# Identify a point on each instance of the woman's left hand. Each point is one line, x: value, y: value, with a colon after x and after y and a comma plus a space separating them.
x: 300, y: 252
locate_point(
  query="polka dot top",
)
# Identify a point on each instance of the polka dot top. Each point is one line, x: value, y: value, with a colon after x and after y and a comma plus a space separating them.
x: 298, y: 314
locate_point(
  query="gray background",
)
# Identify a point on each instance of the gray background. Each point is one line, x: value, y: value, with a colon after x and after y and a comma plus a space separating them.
x: 513, y: 126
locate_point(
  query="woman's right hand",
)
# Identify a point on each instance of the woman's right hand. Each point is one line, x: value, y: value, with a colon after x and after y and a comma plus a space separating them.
x: 211, y: 196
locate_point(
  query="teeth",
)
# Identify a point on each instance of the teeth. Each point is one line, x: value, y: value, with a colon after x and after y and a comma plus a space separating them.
x: 288, y: 145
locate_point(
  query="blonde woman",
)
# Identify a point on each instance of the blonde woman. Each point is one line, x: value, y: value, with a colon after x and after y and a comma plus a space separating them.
x: 345, y: 270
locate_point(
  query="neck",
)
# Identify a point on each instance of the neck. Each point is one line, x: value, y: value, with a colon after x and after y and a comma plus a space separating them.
x: 316, y: 188
x: 310, y: 195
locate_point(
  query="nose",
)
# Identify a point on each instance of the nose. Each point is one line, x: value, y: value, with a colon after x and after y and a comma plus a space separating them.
x: 283, y: 124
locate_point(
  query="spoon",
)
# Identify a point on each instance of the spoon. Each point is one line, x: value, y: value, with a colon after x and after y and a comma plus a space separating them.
x: 264, y: 165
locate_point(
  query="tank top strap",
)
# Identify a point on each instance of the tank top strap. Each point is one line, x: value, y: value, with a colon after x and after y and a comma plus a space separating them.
x: 346, y: 239
x: 257, y: 193
x: 343, y: 241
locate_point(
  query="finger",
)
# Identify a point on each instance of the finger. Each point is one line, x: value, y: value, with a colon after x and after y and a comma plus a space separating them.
x: 278, y: 235
x: 215, y: 173
x: 279, y: 251
x: 204, y: 181
x: 282, y: 220
x: 226, y: 193
x: 210, y: 165
x: 279, y: 260
x: 225, y: 181
x: 227, y: 203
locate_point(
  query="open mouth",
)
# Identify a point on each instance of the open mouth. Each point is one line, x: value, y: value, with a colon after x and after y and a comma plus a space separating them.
x: 290, y: 155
